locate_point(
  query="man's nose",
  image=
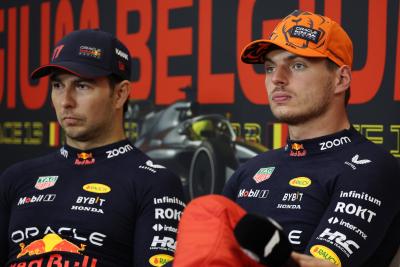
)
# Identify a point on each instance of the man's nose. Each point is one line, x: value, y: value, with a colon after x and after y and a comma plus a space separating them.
x: 280, y: 75
x: 68, y: 98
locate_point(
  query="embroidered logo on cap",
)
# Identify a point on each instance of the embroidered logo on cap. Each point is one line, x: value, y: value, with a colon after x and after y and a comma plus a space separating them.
x: 305, y: 33
x: 88, y: 51
x: 263, y: 174
x: 56, y: 52
x: 121, y: 54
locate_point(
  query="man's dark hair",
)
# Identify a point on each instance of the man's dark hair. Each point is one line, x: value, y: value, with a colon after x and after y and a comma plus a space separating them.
x: 332, y: 66
x: 113, y: 80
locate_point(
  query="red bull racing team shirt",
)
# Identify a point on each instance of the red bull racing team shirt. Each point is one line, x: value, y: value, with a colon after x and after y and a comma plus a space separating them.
x: 111, y: 206
x: 335, y: 196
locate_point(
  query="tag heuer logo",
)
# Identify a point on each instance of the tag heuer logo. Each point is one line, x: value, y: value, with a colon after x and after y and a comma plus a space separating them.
x: 263, y: 174
x: 44, y: 182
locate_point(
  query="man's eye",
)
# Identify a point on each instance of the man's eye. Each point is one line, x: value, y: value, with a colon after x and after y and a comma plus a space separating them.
x: 298, y: 66
x: 82, y: 86
x: 55, y: 85
x: 268, y: 69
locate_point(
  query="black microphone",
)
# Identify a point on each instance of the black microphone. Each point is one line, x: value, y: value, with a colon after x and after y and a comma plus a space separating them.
x: 263, y: 240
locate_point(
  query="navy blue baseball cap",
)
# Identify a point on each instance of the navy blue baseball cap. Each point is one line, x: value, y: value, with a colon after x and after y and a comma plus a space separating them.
x: 89, y: 53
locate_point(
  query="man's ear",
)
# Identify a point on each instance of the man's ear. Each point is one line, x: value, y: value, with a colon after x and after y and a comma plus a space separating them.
x: 343, y: 80
x: 121, y: 93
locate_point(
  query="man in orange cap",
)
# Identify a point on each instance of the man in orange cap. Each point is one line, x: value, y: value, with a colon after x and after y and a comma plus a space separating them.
x: 333, y: 191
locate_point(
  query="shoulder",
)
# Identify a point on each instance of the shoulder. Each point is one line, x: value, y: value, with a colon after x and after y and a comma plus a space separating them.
x: 368, y: 168
x: 262, y: 162
x: 153, y: 181
x: 148, y: 170
x: 18, y: 174
x: 30, y: 165
x: 372, y: 158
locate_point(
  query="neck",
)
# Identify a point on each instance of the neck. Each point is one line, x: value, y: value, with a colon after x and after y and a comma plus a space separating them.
x: 87, y: 145
x: 330, y: 123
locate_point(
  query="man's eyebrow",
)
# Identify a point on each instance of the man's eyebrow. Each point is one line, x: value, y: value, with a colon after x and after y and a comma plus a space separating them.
x: 288, y: 58
x: 55, y: 78
x: 81, y: 79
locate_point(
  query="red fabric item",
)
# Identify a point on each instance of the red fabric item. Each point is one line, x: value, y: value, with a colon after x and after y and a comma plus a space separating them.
x: 205, y: 235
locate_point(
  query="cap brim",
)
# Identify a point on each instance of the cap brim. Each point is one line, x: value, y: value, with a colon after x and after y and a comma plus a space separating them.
x: 254, y: 52
x: 78, y: 69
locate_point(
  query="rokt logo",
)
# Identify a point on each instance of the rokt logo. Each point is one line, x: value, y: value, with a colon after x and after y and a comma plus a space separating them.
x: 171, y: 214
x: 336, y: 142
x: 358, y: 211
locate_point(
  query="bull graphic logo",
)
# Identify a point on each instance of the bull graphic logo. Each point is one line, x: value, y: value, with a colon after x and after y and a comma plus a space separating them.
x: 297, y: 150
x: 84, y: 159
x: 49, y: 243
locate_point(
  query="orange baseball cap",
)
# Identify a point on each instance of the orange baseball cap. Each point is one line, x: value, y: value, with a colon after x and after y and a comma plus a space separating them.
x: 305, y: 34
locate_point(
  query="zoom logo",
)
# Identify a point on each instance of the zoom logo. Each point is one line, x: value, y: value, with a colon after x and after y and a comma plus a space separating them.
x: 118, y: 151
x: 336, y: 142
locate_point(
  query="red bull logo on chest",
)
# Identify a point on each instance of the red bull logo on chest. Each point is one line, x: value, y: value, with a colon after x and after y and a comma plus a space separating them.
x: 53, y: 243
x: 297, y: 150
x: 49, y: 243
x: 85, y: 159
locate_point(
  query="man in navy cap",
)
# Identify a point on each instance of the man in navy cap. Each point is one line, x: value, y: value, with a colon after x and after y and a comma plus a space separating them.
x: 98, y: 201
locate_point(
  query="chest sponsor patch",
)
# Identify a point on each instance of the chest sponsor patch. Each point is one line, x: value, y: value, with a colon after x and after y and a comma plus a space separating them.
x: 339, y: 240
x: 263, y: 174
x: 300, y: 182
x: 44, y: 182
x: 97, y: 188
x: 256, y: 193
x: 322, y: 252
x: 160, y: 259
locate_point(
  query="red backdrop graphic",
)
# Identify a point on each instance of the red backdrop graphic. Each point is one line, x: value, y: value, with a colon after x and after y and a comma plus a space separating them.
x: 190, y: 49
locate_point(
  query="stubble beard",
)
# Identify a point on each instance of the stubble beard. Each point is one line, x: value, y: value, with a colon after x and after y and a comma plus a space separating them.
x: 82, y: 133
x: 316, y: 110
